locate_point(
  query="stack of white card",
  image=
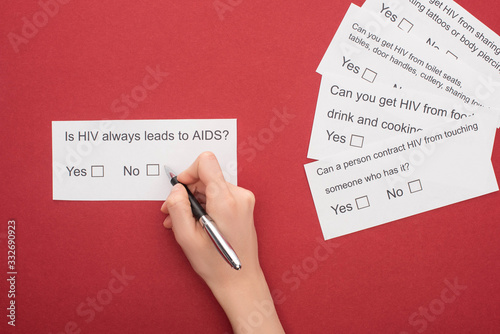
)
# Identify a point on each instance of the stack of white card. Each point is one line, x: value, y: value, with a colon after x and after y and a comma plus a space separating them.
x: 406, y: 114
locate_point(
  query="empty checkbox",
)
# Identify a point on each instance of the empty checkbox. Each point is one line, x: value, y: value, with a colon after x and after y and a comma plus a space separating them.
x: 369, y: 75
x: 405, y: 25
x: 97, y: 171
x: 357, y: 141
x: 153, y: 170
x: 452, y: 54
x: 415, y: 186
x: 362, y: 202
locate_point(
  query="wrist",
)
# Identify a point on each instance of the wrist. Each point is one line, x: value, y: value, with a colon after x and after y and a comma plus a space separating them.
x: 248, y: 304
x: 239, y: 284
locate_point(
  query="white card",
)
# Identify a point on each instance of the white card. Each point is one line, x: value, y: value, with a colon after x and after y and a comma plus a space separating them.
x: 403, y: 176
x: 124, y: 159
x: 364, y: 48
x: 351, y: 114
x: 444, y: 25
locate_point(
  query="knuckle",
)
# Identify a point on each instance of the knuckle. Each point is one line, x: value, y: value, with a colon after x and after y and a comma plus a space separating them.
x: 248, y: 197
x: 230, y: 201
x: 207, y: 155
x: 216, y: 189
x: 173, y: 202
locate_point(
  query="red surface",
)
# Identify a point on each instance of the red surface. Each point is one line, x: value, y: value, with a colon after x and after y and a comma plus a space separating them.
x: 261, y: 56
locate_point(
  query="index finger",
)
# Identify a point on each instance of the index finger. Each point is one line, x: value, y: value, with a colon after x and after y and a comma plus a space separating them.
x: 206, y: 169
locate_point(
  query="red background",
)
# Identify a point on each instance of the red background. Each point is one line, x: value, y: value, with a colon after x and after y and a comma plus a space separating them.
x: 260, y: 56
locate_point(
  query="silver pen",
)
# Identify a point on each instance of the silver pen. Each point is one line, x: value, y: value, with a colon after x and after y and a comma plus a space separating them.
x: 209, y: 225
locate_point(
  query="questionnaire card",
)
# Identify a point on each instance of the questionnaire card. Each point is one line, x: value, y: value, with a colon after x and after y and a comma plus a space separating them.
x: 403, y: 176
x: 124, y: 159
x: 376, y: 53
x: 351, y: 114
x: 446, y: 26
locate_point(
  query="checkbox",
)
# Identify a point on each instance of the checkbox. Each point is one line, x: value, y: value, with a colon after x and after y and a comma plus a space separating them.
x: 97, y: 171
x: 415, y: 186
x: 362, y: 202
x: 451, y: 53
x: 357, y: 141
x: 405, y: 25
x: 153, y: 170
x: 369, y: 75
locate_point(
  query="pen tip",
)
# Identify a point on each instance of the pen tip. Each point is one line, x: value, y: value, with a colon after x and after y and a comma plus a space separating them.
x: 169, y: 172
